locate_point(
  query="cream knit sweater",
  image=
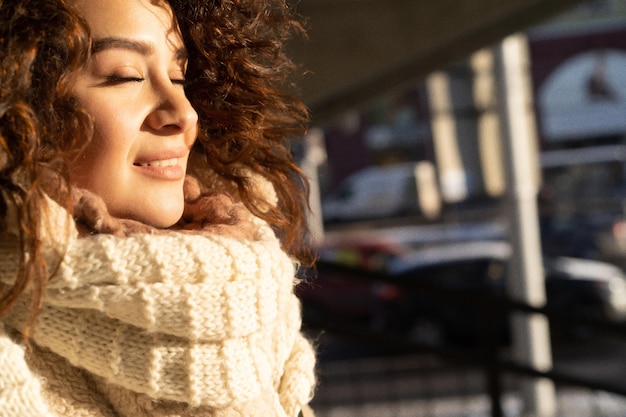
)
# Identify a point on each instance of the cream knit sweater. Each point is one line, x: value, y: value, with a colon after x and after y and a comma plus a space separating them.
x: 169, y: 324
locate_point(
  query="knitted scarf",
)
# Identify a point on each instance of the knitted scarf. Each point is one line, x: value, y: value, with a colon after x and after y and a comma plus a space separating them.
x: 205, y: 319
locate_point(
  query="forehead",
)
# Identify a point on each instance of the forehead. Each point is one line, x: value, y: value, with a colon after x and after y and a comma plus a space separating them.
x: 139, y: 19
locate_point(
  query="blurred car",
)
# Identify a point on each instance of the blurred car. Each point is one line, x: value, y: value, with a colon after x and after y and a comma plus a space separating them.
x: 441, y: 293
x: 374, y: 192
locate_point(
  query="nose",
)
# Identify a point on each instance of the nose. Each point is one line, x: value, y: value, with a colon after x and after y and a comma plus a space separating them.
x: 173, y: 112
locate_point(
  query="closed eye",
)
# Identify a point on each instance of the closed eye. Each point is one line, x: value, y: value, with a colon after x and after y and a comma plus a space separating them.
x: 115, y: 79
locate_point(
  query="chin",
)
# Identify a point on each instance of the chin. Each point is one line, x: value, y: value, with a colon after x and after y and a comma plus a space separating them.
x: 163, y: 220
x: 162, y: 216
x: 162, y: 224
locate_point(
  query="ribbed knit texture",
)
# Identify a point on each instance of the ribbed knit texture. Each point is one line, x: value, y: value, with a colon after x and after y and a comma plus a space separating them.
x: 20, y: 391
x: 203, y: 320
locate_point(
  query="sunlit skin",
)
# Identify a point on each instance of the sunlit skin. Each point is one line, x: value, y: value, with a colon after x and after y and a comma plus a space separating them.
x: 144, y: 125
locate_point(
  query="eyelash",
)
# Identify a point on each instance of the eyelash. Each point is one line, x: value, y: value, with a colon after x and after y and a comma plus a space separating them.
x: 114, y: 79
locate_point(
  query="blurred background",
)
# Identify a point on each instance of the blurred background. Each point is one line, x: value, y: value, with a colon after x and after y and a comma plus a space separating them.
x: 467, y: 166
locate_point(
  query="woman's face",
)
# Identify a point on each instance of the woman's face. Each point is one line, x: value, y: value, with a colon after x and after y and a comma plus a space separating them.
x: 144, y: 125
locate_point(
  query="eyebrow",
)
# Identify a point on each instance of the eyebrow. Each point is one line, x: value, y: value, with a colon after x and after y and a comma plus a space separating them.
x: 141, y: 47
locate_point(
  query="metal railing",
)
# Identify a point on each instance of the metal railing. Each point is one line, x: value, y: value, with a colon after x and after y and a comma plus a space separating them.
x: 406, y: 377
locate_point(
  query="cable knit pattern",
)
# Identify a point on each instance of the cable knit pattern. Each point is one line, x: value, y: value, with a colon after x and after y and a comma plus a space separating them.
x: 199, y: 319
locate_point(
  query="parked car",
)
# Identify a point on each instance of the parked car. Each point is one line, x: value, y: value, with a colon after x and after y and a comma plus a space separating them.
x: 438, y: 293
x: 373, y: 192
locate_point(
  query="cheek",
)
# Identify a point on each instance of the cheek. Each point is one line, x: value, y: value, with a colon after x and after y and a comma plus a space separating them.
x: 114, y: 130
x: 194, y: 134
x: 111, y: 112
x: 94, y: 164
x: 105, y: 155
x: 108, y: 118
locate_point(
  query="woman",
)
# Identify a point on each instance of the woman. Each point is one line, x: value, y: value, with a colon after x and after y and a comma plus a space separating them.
x: 151, y: 217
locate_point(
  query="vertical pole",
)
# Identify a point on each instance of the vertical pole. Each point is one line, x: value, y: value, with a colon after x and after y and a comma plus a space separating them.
x: 314, y: 156
x: 488, y: 123
x: 531, y: 337
x: 449, y: 161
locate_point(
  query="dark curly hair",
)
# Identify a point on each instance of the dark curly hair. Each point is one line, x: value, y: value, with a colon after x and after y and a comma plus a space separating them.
x: 237, y: 73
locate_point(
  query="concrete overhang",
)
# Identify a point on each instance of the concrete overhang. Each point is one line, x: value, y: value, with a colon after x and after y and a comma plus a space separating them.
x: 359, y: 49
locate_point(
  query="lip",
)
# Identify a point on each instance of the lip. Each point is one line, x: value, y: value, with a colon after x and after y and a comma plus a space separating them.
x: 162, y: 165
x: 161, y: 155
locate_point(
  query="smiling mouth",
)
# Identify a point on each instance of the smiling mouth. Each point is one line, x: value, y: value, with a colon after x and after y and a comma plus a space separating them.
x: 160, y: 163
